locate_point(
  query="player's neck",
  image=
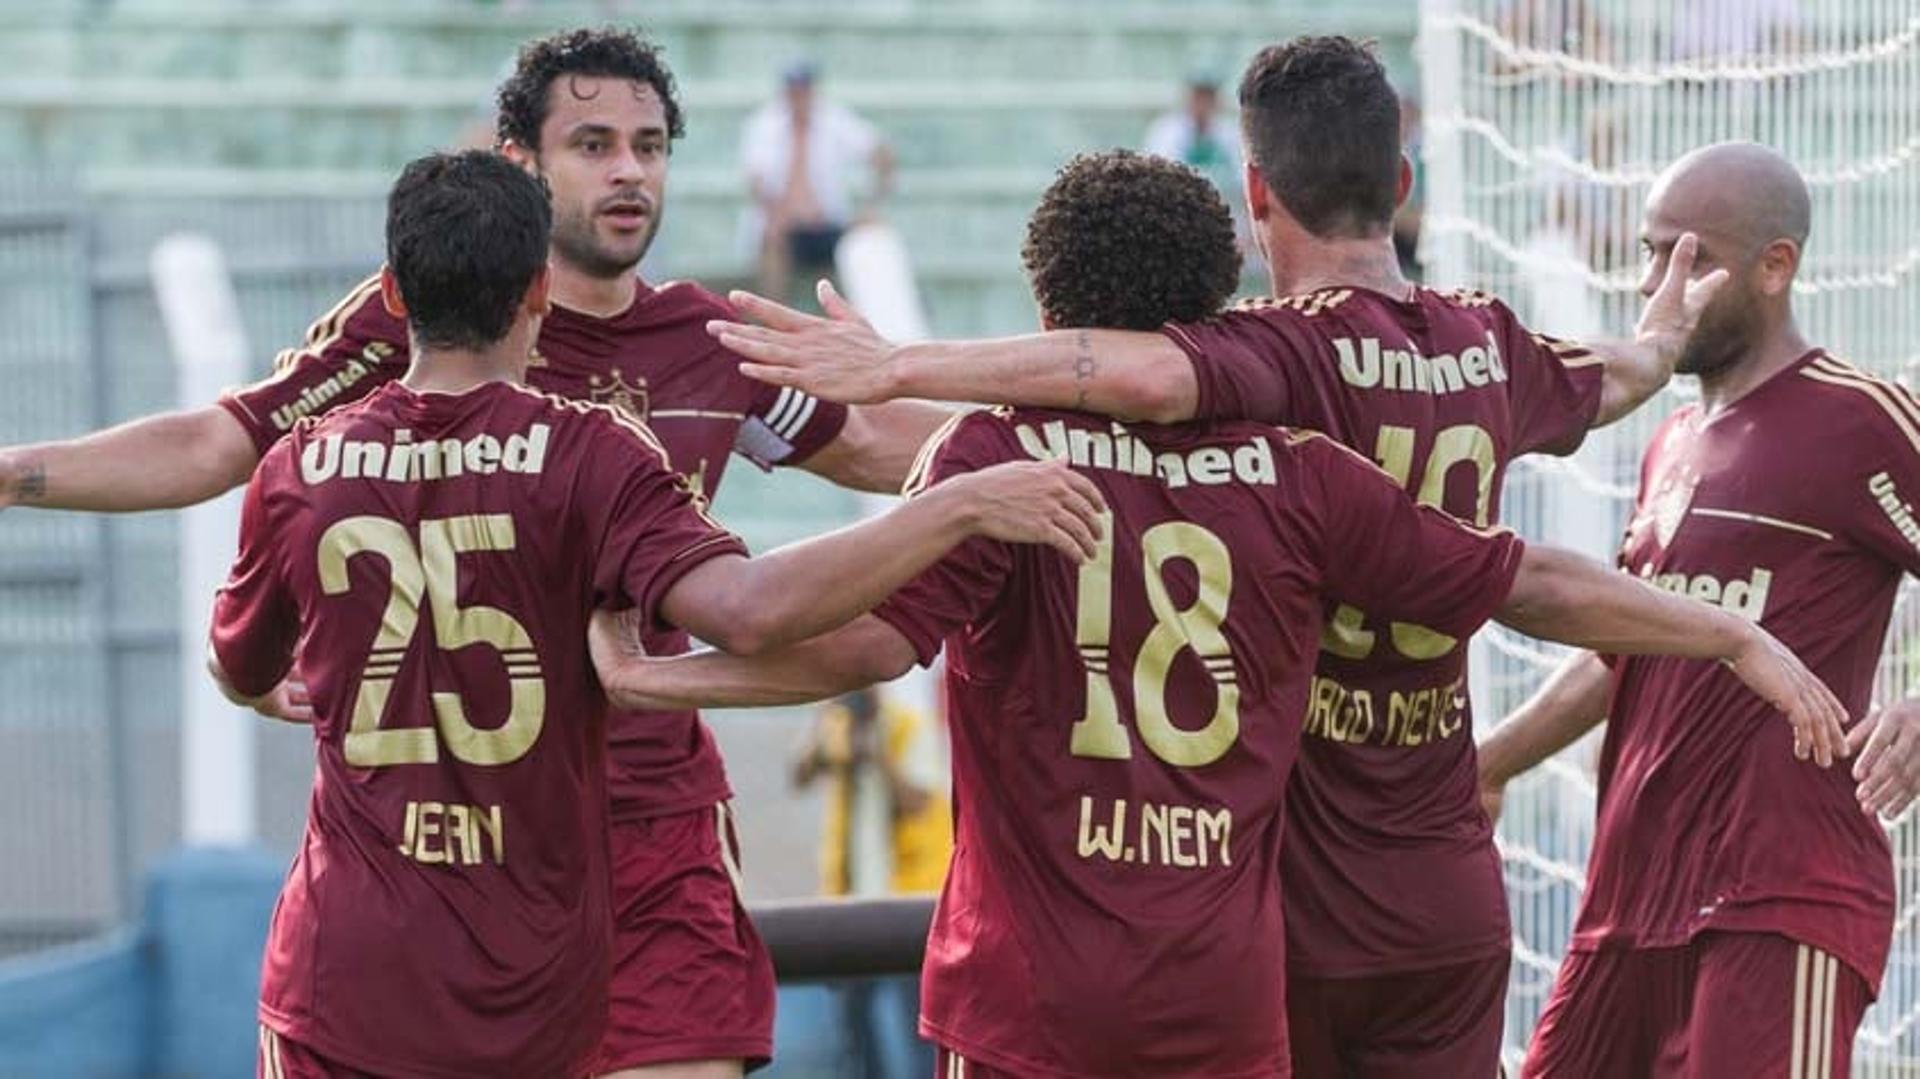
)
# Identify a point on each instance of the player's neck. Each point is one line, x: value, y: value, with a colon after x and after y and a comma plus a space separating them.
x: 458, y: 370
x: 600, y: 297
x: 1309, y: 264
x: 1776, y: 350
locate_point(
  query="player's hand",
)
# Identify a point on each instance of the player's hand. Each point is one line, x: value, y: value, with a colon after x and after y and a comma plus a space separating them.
x: 1887, y: 761
x: 1780, y: 679
x: 1031, y: 502
x: 1674, y: 310
x: 287, y: 702
x: 839, y: 358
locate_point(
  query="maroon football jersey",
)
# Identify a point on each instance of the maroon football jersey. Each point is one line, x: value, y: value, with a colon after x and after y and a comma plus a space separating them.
x: 1792, y: 506
x: 1442, y: 391
x: 1123, y: 731
x: 435, y: 557
x: 655, y: 362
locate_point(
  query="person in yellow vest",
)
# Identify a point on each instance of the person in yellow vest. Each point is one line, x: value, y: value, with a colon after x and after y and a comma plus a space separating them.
x: 888, y: 831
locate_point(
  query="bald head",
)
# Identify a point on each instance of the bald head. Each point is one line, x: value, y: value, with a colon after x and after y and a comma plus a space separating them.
x: 1748, y: 208
x: 1740, y: 193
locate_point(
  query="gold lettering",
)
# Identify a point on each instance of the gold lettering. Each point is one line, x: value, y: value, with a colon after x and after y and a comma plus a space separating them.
x: 1216, y: 831
x: 432, y: 819
x: 1153, y: 824
x: 493, y: 826
x: 1105, y: 839
x: 413, y: 821
x: 1180, y: 835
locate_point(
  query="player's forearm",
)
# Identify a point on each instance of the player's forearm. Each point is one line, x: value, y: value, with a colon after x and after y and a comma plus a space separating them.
x: 1123, y: 373
x: 1634, y: 372
x: 1561, y: 596
x: 160, y: 462
x: 1572, y: 702
x: 856, y: 655
x: 809, y: 587
x: 878, y: 446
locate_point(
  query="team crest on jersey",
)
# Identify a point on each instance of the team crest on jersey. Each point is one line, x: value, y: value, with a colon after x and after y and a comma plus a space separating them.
x: 615, y: 390
x: 1668, y: 506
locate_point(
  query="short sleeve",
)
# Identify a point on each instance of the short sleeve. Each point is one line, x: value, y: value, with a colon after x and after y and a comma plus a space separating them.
x: 960, y: 587
x: 786, y: 427
x: 1556, y: 389
x: 1383, y: 552
x: 653, y: 527
x: 256, y: 621
x: 1883, y: 487
x: 348, y: 353
x: 1250, y: 365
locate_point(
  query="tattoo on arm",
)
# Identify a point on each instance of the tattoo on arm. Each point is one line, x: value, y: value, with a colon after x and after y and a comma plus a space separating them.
x: 32, y: 484
x: 1082, y: 367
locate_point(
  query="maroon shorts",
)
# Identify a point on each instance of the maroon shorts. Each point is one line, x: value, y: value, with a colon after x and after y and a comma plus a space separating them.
x: 1442, y: 1021
x: 1756, y: 1005
x: 691, y: 979
x: 282, y: 1059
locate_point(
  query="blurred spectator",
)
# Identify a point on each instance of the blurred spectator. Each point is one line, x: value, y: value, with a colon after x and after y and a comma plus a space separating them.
x: 1196, y: 135
x: 888, y: 830
x: 1406, y: 223
x: 802, y: 157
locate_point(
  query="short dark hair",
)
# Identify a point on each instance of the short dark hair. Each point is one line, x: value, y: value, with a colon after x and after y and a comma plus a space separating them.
x: 603, y: 53
x: 1129, y: 241
x: 466, y: 235
x: 1322, y: 125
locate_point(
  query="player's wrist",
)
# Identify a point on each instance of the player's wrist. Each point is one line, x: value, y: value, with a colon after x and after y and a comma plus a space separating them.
x: 902, y: 372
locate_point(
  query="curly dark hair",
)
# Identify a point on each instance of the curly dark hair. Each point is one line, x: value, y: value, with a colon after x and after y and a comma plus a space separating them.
x: 1322, y: 124
x: 1128, y: 241
x: 607, y: 52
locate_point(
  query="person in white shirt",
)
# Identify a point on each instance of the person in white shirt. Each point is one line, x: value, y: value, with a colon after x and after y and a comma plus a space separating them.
x: 802, y: 157
x: 1197, y: 136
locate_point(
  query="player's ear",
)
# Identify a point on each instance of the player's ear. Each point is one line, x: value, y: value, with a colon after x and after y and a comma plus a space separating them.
x: 539, y: 299
x: 1406, y: 182
x: 1259, y: 200
x: 519, y: 155
x: 1779, y: 261
x: 390, y: 294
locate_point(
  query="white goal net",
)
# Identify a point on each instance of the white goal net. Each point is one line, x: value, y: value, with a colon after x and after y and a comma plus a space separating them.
x: 1545, y: 122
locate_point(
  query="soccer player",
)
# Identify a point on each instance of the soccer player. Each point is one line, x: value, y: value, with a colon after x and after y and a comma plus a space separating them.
x: 1738, y: 908
x: 594, y: 114
x: 1442, y: 390
x: 1123, y: 729
x: 447, y: 913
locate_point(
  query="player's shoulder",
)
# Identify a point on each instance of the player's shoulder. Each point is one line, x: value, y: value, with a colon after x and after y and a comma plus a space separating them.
x: 1303, y: 306
x: 594, y: 428
x: 1835, y: 395
x: 681, y: 300
x: 972, y: 439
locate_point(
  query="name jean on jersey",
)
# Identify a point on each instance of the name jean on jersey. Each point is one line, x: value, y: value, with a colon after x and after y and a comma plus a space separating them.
x: 448, y: 833
x: 1147, y: 833
x: 403, y: 460
x: 1366, y: 365
x: 1118, y: 450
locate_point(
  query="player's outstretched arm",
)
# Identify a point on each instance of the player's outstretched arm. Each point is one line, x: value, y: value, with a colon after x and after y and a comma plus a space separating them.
x: 1572, y: 702
x: 749, y: 606
x: 160, y: 462
x: 1637, y: 369
x: 1129, y: 374
x: 861, y: 653
x: 1561, y: 596
x: 876, y: 449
